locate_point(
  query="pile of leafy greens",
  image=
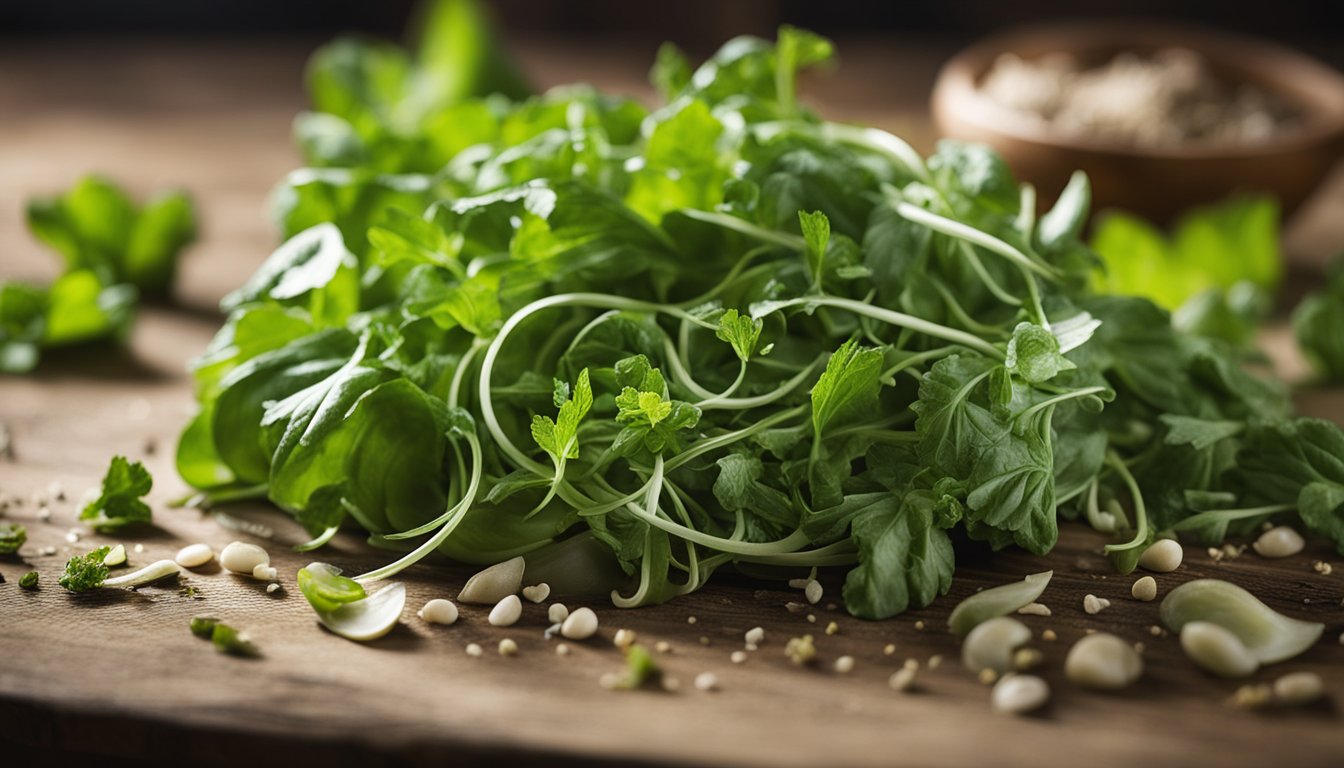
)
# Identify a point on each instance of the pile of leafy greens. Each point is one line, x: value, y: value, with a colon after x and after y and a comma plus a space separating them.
x: 114, y: 250
x: 721, y: 333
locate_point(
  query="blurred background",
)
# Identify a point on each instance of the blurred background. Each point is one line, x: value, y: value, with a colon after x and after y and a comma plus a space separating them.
x: 202, y: 94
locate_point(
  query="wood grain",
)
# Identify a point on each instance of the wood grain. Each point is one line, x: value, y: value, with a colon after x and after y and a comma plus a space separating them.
x: 118, y: 675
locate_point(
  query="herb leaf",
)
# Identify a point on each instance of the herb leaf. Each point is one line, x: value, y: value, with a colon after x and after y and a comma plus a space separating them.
x: 119, y: 504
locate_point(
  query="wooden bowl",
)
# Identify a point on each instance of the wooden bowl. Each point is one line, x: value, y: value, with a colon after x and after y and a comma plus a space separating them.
x: 1155, y: 182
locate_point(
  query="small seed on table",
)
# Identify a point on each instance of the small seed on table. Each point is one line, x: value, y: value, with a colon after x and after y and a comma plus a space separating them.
x: 1019, y: 694
x: 1164, y: 556
x: 1280, y: 541
x: 1145, y: 589
x: 579, y: 625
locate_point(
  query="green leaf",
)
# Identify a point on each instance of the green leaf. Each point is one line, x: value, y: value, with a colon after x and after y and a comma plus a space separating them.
x: 1297, y: 462
x: 1319, y: 325
x: 905, y: 560
x: 817, y: 234
x: 559, y: 438
x: 849, y: 383
x: 312, y: 270
x: 741, y: 331
x: 119, y: 504
x: 1033, y: 353
x: 954, y: 430
x: 1199, y: 433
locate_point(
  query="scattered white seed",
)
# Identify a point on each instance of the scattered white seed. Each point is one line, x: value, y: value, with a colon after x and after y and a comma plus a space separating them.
x: 737, y: 657
x: 1322, y: 567
x: 1215, y: 649
x: 919, y: 625
x: 1299, y: 688
x: 493, y: 584
x: 1094, y: 605
x: 911, y: 663
x: 241, y: 557
x: 507, y: 647
x: 935, y: 661
x: 194, y: 555
x: 844, y: 665
x: 1253, y: 696
x: 1019, y: 694
x: 1282, y: 541
x: 609, y: 680
x: 811, y: 618
x: 579, y: 625
x: 690, y: 619
x: 903, y: 679
x: 1049, y: 635
x: 1164, y: 556
x: 1145, y: 589
x: 832, y: 628
x: 991, y: 644
x: 439, y: 611
x: 706, y: 681
x: 795, y: 607
x: 557, y: 613
x: 506, y: 612
x: 44, y: 514
x: 755, y: 636
x: 889, y: 649
x: 671, y: 684
x: 1103, y: 662
x: 1034, y: 609
x: 474, y: 650
x: 265, y: 573
x: 561, y: 649
x: 72, y: 537
x: 988, y: 676
x: 115, y: 556
x: 272, y: 588
x: 47, y: 551
x: 537, y: 593
x: 139, y: 549
x: 662, y: 646
x: 1024, y: 659
x: 624, y: 638
x: 813, y: 591
x: 800, y: 650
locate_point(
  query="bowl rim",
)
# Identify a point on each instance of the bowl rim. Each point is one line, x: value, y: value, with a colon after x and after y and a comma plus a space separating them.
x: 956, y: 90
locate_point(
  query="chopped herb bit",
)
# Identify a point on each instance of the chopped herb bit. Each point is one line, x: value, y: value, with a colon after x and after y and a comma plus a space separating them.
x: 85, y: 572
x: 29, y: 580
x: 203, y: 626
x: 12, y: 536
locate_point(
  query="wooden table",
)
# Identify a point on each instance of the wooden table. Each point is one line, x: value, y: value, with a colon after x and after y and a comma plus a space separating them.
x: 119, y: 677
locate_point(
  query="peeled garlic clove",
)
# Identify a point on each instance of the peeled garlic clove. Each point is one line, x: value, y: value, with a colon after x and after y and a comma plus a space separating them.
x: 1268, y: 635
x: 1217, y: 650
x: 991, y: 644
x: 1281, y: 541
x: 997, y: 601
x: 494, y: 583
x: 1103, y: 662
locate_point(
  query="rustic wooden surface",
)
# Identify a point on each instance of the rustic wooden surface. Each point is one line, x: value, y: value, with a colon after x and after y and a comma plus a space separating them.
x: 118, y: 676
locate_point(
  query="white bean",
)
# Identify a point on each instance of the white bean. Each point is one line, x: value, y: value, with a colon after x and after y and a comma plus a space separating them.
x: 1279, y: 542
x: 194, y: 555
x: 265, y: 572
x: 506, y: 612
x: 439, y: 611
x: 1217, y: 650
x: 1104, y: 662
x: 579, y: 625
x: 706, y: 681
x: 241, y: 557
x: 1019, y: 694
x: 1164, y: 556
